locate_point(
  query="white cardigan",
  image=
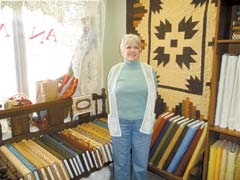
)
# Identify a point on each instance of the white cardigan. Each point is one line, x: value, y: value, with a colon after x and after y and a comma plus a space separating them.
x: 149, y: 115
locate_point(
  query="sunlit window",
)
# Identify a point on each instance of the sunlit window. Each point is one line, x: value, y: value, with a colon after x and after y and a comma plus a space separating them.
x: 7, y: 55
x: 39, y: 40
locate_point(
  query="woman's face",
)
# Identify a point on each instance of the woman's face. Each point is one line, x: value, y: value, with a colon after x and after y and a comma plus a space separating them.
x: 131, y: 51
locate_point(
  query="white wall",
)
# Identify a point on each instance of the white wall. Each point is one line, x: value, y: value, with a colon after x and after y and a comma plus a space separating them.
x: 115, y: 27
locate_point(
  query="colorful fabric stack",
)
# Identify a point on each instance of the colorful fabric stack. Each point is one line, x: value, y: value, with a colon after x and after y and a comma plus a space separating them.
x: 71, y: 153
x: 176, y: 142
x: 224, y: 161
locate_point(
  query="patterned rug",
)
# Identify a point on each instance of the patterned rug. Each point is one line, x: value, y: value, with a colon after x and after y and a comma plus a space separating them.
x: 177, y: 41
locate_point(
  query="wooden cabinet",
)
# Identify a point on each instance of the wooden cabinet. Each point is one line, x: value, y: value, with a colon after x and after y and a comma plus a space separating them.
x: 223, y: 43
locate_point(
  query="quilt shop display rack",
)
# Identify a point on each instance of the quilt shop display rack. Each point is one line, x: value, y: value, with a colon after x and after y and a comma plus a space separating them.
x: 60, y: 110
x: 57, y: 112
x: 177, y: 147
x: 227, y: 40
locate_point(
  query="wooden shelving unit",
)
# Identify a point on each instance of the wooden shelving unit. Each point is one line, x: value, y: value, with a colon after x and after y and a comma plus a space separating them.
x: 223, y: 43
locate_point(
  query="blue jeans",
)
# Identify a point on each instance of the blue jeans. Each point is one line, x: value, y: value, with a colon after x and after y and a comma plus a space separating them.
x: 131, y: 151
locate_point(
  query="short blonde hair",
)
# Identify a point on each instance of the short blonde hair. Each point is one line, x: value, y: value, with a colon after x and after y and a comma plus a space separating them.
x: 128, y: 38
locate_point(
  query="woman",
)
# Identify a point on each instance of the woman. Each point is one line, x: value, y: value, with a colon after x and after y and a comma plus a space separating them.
x: 132, y: 93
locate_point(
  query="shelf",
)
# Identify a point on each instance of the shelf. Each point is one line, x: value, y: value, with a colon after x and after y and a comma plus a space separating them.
x: 19, y: 117
x: 228, y: 41
x: 225, y: 131
x: 223, y: 43
x: 16, y: 111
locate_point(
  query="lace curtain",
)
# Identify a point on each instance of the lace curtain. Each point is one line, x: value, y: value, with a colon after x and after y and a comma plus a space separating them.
x: 45, y: 39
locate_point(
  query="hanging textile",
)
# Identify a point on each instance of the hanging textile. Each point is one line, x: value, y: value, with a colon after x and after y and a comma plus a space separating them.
x: 177, y: 42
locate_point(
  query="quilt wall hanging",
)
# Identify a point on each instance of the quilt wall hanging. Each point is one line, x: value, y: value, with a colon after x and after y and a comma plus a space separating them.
x: 177, y: 41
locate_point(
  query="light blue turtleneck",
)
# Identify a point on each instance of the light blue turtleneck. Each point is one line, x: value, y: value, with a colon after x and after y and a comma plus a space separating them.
x: 131, y: 91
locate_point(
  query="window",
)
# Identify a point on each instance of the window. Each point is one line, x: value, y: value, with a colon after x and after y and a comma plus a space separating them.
x: 40, y: 40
